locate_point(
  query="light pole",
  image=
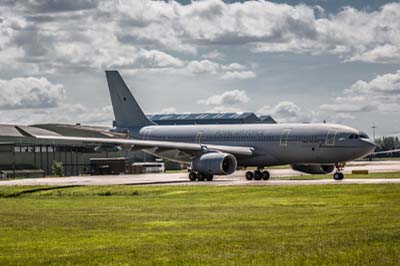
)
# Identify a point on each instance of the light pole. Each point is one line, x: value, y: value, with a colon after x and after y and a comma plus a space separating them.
x: 373, y: 132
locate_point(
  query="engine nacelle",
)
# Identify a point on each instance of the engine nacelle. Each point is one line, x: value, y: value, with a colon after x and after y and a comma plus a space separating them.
x: 313, y: 169
x: 215, y: 163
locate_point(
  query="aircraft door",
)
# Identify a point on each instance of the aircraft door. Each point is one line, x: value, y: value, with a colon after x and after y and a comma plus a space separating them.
x: 331, y: 137
x: 284, y: 137
x: 198, y: 136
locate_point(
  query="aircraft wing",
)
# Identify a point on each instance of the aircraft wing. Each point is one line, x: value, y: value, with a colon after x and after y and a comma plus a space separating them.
x: 149, y: 144
x: 386, y: 152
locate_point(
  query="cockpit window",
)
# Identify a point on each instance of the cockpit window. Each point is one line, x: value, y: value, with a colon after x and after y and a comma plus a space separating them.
x: 363, y: 135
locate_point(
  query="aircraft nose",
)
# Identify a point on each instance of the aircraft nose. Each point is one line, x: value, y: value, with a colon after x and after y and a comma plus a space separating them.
x: 368, y: 145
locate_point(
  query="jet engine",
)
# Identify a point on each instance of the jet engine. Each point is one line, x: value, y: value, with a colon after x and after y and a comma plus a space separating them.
x: 313, y: 169
x: 215, y: 163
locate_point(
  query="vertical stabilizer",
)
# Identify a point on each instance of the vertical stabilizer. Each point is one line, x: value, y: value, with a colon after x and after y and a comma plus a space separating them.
x: 127, y: 112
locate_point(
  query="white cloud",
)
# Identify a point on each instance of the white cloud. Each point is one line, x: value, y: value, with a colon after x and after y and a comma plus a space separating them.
x: 387, y: 53
x: 238, y: 75
x: 64, y: 113
x: 142, y: 34
x: 10, y: 24
x: 230, y: 71
x: 203, y: 66
x: 168, y: 110
x: 224, y: 109
x: 285, y: 112
x: 380, y: 94
x: 156, y: 59
x: 232, y: 97
x: 214, y: 54
x: 352, y: 34
x: 233, y: 66
x: 94, y: 116
x: 19, y: 93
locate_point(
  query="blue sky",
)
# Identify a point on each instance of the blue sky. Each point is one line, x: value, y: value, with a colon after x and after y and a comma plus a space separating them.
x: 300, y: 61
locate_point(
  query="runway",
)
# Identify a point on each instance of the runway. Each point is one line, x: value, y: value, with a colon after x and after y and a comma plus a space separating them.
x: 231, y: 180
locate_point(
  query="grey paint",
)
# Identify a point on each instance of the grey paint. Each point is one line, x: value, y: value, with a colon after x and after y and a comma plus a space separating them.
x: 126, y: 110
x: 273, y: 144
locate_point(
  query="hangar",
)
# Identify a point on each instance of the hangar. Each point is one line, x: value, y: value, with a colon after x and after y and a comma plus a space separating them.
x: 23, y: 156
x: 211, y: 118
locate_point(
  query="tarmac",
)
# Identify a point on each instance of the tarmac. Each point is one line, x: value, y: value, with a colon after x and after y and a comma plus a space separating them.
x: 236, y: 179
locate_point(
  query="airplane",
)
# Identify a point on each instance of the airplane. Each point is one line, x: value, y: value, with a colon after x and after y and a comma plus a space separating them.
x: 221, y: 149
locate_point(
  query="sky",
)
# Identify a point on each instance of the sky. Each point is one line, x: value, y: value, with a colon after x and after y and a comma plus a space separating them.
x: 299, y: 61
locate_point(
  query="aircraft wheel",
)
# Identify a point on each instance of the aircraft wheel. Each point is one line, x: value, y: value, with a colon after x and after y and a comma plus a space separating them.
x: 257, y: 175
x: 200, y: 177
x: 209, y: 177
x: 192, y: 176
x: 338, y: 176
x: 249, y: 175
x: 265, y: 175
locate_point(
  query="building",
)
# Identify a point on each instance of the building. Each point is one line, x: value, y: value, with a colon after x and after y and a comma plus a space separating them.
x: 210, y: 118
x: 20, y: 152
x: 267, y: 119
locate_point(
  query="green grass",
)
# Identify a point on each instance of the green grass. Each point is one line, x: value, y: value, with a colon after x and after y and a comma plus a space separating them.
x: 201, y: 225
x: 347, y: 176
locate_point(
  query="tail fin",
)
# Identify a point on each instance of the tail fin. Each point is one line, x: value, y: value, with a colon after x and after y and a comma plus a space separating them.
x: 127, y: 112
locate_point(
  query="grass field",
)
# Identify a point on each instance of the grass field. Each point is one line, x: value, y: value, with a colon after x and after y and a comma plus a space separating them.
x: 202, y: 225
x: 347, y: 176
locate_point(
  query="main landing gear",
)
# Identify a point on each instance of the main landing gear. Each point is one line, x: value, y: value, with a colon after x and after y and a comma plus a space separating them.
x: 193, y: 176
x: 258, y: 174
x: 338, y: 175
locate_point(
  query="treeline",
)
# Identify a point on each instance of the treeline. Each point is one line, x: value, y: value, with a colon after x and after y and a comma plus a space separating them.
x: 387, y: 143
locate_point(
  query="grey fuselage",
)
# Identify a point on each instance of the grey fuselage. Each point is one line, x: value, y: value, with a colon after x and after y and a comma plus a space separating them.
x: 273, y: 144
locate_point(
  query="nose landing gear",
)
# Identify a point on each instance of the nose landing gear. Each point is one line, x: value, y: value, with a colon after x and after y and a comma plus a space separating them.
x: 338, y: 175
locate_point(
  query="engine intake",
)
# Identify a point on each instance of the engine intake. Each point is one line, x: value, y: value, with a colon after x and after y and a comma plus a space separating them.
x: 215, y: 163
x: 313, y: 169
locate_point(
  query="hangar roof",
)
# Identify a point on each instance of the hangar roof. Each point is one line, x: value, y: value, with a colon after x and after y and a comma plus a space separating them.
x: 267, y: 119
x: 209, y: 118
x: 12, y: 131
x: 9, y: 130
x: 201, y: 116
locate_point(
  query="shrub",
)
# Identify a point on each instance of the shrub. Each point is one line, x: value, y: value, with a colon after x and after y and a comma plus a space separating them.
x: 57, y: 168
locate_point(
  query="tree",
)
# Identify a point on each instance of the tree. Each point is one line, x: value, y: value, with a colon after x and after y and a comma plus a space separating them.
x: 387, y: 143
x: 57, y: 168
